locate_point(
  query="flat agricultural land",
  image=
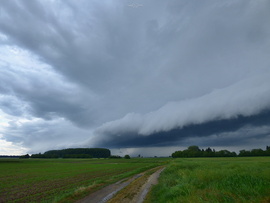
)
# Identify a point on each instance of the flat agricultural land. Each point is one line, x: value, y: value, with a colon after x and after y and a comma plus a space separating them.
x: 64, y: 180
x: 229, y: 180
x: 235, y: 179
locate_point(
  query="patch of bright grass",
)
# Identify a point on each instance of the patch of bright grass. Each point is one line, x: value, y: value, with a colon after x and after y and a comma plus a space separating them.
x: 214, y: 180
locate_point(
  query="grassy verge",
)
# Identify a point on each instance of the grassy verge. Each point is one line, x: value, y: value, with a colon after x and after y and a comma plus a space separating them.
x: 214, y: 180
x: 63, y: 180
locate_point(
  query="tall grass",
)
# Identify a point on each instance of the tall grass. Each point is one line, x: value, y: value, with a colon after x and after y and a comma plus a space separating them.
x: 214, y: 180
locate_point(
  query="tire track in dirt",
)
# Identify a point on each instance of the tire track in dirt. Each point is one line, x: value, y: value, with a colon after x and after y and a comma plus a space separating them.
x: 134, y: 189
x: 152, y: 180
x: 107, y: 192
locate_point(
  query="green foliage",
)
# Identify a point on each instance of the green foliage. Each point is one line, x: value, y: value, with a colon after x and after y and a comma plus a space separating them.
x: 255, y: 152
x: 27, y: 156
x: 194, y: 148
x: 115, y: 157
x: 127, y: 156
x: 195, y: 151
x: 75, y: 153
x: 244, y: 153
x: 214, y: 180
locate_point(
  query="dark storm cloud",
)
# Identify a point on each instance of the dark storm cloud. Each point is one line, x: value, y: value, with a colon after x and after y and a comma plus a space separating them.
x: 138, y: 72
x: 180, y: 136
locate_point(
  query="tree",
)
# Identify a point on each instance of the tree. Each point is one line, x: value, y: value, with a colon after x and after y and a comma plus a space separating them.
x: 75, y: 153
x: 27, y: 156
x: 257, y: 152
x: 127, y: 156
x: 208, y: 150
x: 194, y: 148
x: 225, y: 153
x: 177, y: 154
x: 193, y: 151
x: 267, y: 151
x: 244, y: 153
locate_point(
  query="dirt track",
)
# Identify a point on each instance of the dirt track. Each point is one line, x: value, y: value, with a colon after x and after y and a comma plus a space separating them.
x: 134, y: 189
x: 145, y: 188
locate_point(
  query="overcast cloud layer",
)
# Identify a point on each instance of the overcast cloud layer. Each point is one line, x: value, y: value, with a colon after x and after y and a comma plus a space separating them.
x: 134, y: 74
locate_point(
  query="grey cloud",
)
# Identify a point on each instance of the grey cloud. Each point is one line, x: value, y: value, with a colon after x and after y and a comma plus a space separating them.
x: 12, y: 106
x: 44, y: 93
x: 40, y: 135
x: 112, y: 46
x: 162, y: 66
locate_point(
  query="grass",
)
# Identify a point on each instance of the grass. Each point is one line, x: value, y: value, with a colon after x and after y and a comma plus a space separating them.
x: 63, y: 180
x: 184, y: 179
x: 214, y: 180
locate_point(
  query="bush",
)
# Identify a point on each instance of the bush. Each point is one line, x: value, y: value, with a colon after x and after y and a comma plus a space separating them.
x: 115, y: 157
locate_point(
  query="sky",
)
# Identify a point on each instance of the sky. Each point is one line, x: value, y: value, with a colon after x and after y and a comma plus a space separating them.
x: 144, y: 77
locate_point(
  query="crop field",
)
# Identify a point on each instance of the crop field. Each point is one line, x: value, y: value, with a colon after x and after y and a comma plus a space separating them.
x: 214, y: 180
x: 184, y: 179
x: 63, y: 180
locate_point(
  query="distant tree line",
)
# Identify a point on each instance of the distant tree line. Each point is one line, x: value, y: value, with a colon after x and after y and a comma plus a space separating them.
x: 195, y: 151
x: 10, y: 156
x: 255, y: 152
x: 72, y: 153
x: 75, y: 153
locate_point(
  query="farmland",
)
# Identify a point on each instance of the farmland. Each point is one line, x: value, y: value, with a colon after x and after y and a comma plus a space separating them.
x: 214, y: 180
x: 63, y: 180
x: 236, y: 179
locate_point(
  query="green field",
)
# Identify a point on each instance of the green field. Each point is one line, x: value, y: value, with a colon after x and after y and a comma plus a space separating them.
x: 214, y: 180
x: 184, y: 179
x: 63, y: 180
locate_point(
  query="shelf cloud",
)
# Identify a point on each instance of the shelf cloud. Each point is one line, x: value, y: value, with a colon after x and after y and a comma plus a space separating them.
x: 125, y: 74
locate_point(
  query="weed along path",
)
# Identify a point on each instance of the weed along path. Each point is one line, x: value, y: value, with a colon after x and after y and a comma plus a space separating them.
x: 130, y: 190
